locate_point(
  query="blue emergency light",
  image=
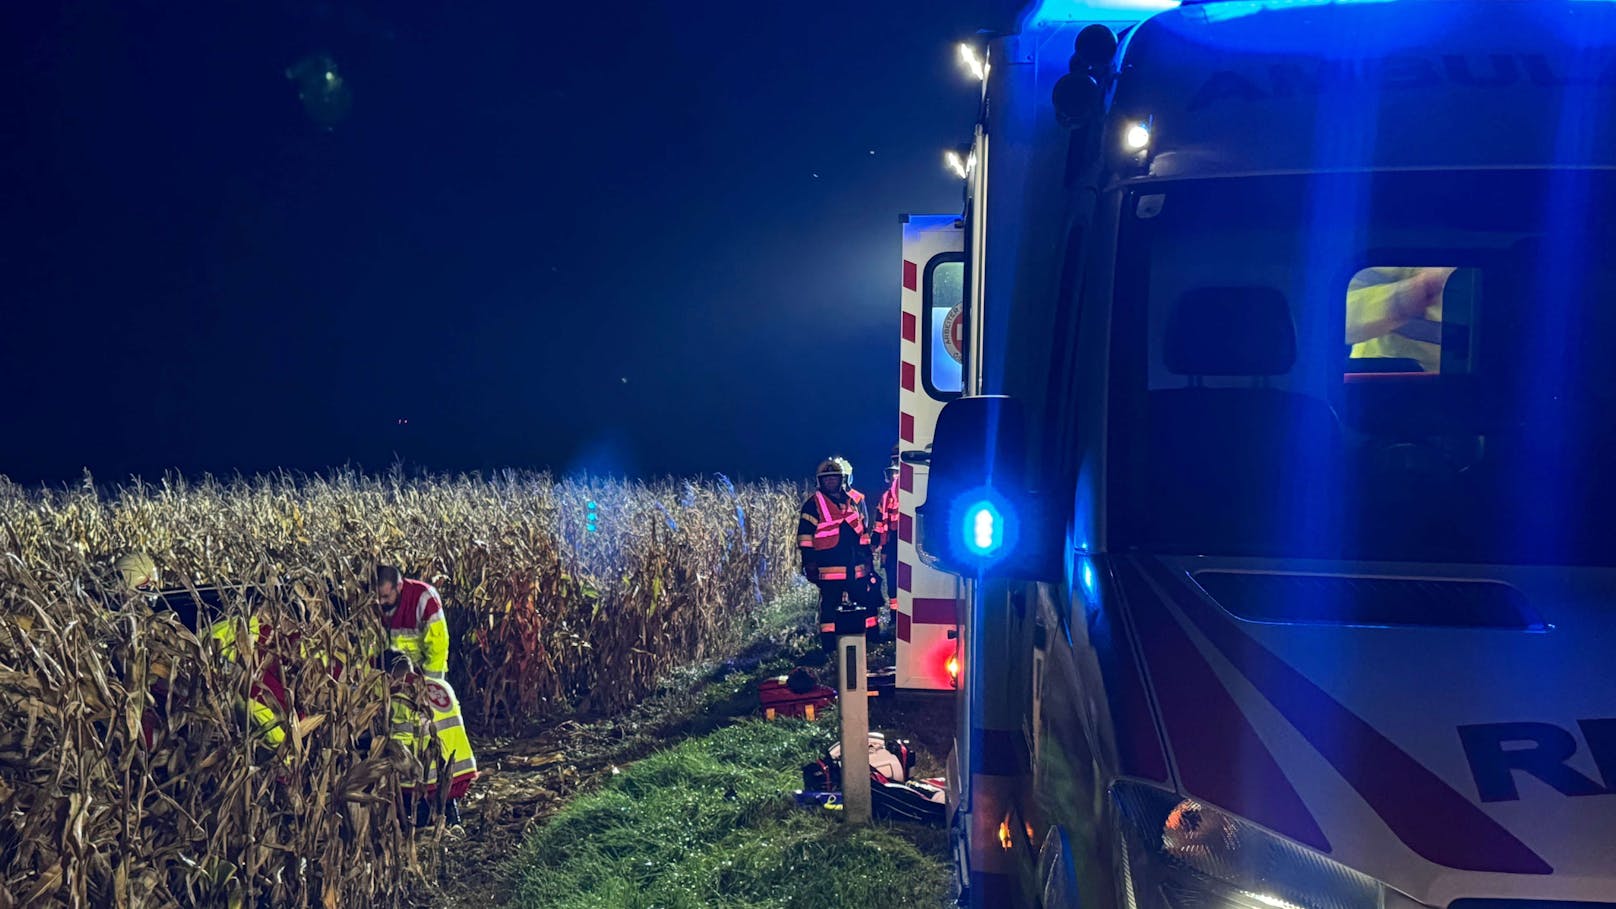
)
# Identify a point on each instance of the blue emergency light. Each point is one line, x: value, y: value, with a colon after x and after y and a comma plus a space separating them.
x: 984, y: 529
x: 590, y: 522
x: 985, y: 526
x: 1055, y: 12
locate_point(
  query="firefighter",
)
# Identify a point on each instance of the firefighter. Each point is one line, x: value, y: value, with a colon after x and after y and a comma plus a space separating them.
x: 886, y: 529
x: 411, y: 728
x: 833, y: 535
x: 867, y: 540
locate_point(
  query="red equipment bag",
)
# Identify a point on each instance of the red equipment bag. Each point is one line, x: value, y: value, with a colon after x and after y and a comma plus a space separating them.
x: 790, y: 695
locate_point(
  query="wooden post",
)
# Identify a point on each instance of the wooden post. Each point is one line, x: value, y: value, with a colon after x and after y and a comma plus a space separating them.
x: 855, y: 709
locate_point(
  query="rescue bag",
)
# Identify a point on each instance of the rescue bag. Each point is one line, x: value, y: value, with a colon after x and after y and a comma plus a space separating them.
x: 791, y: 695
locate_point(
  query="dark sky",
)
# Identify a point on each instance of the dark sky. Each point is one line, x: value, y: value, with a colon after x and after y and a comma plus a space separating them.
x: 524, y: 208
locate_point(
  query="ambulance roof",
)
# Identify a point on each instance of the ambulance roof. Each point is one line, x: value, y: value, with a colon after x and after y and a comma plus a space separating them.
x: 1258, y: 86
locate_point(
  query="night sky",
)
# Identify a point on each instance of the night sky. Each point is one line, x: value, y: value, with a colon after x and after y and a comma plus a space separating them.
x: 642, y: 238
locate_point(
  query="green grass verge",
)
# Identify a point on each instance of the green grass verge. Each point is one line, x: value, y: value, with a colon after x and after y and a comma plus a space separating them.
x: 711, y: 823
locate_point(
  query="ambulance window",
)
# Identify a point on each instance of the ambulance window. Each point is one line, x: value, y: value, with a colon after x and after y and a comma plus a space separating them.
x: 942, y: 351
x: 1410, y: 320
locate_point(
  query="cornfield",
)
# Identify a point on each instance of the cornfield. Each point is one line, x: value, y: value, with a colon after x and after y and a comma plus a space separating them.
x: 552, y: 612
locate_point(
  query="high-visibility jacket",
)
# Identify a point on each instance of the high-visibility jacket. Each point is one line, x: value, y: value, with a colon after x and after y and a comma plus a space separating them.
x: 1369, y: 296
x: 266, y: 706
x: 886, y: 522
x: 414, y: 732
x: 416, y: 627
x: 834, y: 538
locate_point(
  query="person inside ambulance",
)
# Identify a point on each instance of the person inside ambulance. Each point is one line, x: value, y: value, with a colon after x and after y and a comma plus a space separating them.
x: 1396, y: 313
x: 833, y: 537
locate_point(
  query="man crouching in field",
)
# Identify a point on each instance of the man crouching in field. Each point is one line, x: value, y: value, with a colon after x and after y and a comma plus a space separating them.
x: 414, y: 730
x: 418, y: 636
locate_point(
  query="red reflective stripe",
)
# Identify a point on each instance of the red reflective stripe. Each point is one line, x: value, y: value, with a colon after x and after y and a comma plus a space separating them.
x: 903, y: 626
x: 911, y: 275
x: 906, y: 478
x: 908, y: 377
x: 904, y: 572
x: 827, y: 626
x: 869, y: 622
x: 906, y: 528
x: 911, y: 326
x: 833, y: 574
x: 906, y: 427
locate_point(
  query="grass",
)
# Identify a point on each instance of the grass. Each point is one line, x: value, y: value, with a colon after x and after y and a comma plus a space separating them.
x: 712, y: 823
x: 128, y: 772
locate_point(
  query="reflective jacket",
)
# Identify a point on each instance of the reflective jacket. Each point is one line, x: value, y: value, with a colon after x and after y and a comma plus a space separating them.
x: 267, y: 705
x: 834, y: 538
x: 886, y: 522
x: 1369, y: 295
x: 416, y: 627
x: 414, y: 732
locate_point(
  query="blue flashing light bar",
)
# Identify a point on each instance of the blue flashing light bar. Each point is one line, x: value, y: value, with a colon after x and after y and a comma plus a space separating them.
x: 1054, y: 12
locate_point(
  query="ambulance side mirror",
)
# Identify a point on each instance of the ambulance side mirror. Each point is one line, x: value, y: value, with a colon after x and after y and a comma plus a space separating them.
x: 981, y: 517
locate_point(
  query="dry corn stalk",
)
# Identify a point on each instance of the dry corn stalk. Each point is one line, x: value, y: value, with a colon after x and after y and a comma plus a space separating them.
x: 128, y: 773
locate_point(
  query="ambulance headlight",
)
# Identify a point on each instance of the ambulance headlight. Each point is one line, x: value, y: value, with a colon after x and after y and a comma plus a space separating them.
x: 1183, y: 853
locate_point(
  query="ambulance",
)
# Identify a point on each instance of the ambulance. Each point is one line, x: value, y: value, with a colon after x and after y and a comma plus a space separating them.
x: 1259, y: 457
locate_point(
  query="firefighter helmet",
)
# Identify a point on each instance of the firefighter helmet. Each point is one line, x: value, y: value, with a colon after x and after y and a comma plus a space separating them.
x: 846, y: 468
x: 138, y: 570
x: 828, y: 468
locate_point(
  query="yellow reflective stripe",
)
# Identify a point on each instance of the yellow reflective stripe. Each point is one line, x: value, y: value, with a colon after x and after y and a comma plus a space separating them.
x: 266, y: 722
x: 435, y: 648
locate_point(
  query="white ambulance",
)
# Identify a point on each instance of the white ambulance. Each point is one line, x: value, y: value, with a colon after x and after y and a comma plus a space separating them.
x: 1269, y: 517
